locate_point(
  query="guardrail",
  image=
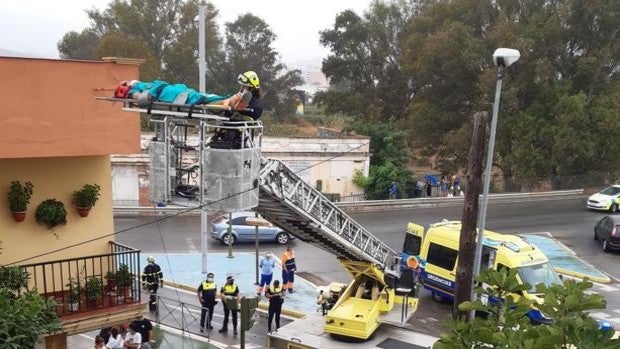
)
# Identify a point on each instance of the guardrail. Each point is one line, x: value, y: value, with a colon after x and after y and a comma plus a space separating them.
x: 383, y: 204
x: 454, y: 201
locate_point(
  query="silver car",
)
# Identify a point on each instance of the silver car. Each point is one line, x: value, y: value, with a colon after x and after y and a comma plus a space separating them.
x: 244, y: 229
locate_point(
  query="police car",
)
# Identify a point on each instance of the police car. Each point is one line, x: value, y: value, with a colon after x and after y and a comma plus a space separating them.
x: 607, y: 199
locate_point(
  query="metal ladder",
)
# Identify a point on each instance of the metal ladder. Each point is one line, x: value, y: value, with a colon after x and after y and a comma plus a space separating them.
x: 294, y: 205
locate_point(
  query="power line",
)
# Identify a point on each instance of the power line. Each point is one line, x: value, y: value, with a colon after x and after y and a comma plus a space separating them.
x: 174, y: 214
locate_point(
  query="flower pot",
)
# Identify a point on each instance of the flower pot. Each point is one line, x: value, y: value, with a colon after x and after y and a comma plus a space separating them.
x: 74, y: 307
x: 19, y: 216
x: 83, y: 211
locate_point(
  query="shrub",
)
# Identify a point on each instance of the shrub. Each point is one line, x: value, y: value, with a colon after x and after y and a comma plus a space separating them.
x: 51, y: 213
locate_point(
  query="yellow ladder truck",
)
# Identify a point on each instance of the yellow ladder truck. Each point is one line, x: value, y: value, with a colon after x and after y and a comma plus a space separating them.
x: 235, y: 177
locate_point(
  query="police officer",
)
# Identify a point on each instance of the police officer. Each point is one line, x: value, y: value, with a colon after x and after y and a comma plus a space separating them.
x: 152, y: 279
x: 230, y: 299
x: 207, y: 292
x: 275, y: 294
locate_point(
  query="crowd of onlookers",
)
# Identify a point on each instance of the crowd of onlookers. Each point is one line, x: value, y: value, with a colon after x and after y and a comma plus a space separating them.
x: 429, y: 186
x: 134, y: 335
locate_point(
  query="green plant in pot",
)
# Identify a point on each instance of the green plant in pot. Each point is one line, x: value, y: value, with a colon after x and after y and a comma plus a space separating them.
x: 94, y: 291
x: 75, y: 291
x: 51, y: 213
x: 110, y: 276
x: 19, y: 197
x: 85, y: 198
x: 124, y: 280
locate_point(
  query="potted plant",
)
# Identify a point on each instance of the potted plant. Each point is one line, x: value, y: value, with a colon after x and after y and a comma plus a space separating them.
x: 19, y: 198
x: 51, y: 213
x: 85, y: 198
x: 110, y: 288
x: 94, y: 291
x: 110, y: 276
x: 75, y: 291
x: 124, y: 280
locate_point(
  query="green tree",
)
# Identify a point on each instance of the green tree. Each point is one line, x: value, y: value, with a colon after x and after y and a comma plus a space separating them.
x: 389, y: 159
x: 25, y: 315
x: 163, y: 33
x: 507, y: 326
x: 364, y: 67
x: 551, y: 107
x: 248, y: 46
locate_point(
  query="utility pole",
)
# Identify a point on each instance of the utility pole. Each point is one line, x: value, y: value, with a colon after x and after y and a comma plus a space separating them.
x: 467, y: 242
x: 204, y: 223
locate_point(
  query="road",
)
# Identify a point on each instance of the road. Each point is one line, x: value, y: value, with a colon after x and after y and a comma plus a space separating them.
x: 566, y: 219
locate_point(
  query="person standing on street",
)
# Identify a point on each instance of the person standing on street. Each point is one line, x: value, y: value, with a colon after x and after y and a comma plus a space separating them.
x: 393, y: 192
x: 133, y: 339
x: 145, y: 328
x: 288, y: 269
x: 207, y: 292
x: 230, y: 300
x: 152, y: 279
x: 267, y: 264
x: 275, y: 294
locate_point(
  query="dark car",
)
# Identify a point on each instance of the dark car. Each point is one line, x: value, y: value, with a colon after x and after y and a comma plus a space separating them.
x: 607, y: 231
x: 244, y: 229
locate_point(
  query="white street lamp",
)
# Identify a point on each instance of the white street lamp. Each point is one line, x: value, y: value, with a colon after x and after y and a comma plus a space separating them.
x: 502, y: 58
x: 202, y: 64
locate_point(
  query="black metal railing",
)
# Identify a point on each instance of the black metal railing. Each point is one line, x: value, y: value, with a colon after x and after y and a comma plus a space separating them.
x: 88, y: 283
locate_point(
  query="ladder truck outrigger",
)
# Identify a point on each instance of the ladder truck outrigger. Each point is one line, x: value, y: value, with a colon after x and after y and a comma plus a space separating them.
x: 232, y: 176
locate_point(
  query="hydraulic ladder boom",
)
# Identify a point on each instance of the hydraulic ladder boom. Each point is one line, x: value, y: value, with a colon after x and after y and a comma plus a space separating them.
x: 294, y: 205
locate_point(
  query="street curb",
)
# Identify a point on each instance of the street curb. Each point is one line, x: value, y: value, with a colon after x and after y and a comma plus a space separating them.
x: 262, y: 305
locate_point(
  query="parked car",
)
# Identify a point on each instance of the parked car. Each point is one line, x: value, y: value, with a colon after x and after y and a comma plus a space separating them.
x: 243, y: 229
x: 607, y: 199
x: 607, y: 232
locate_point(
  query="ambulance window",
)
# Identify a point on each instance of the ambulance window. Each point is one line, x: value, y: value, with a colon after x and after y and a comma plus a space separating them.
x: 441, y: 256
x: 412, y: 244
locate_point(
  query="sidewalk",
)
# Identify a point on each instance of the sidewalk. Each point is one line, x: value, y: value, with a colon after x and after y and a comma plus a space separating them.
x: 186, y: 268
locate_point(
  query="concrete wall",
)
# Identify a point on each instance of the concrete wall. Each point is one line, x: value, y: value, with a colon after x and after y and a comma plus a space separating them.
x: 333, y: 161
x: 55, y: 178
x: 49, y: 109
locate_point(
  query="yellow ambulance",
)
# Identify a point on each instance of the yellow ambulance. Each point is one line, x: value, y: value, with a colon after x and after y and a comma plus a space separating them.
x: 439, y: 251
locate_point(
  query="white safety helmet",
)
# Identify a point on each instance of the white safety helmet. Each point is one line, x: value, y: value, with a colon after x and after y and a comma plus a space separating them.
x: 150, y: 259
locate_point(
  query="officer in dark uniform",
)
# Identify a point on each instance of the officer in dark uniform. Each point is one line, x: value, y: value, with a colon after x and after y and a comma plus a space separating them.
x: 152, y: 279
x: 207, y: 292
x: 230, y: 299
x: 275, y: 294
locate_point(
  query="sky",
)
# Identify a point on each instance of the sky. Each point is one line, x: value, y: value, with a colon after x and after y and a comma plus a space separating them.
x: 35, y: 26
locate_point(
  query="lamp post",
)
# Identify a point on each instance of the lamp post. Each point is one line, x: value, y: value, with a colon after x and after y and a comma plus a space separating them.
x: 204, y: 224
x: 502, y: 58
x: 202, y: 62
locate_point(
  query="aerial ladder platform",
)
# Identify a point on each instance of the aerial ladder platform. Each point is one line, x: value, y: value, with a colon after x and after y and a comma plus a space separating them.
x: 235, y: 178
x: 374, y: 295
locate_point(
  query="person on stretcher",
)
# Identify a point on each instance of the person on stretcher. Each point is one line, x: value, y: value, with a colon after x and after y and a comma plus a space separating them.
x: 145, y: 92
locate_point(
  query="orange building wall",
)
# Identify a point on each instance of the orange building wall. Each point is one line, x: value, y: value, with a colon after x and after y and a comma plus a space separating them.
x: 47, y: 109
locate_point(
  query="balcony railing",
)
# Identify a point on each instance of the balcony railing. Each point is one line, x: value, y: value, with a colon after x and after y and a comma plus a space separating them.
x: 89, y: 283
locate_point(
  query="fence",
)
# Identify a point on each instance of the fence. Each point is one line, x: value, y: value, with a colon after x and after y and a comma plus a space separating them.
x: 498, y: 186
x: 77, y: 284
